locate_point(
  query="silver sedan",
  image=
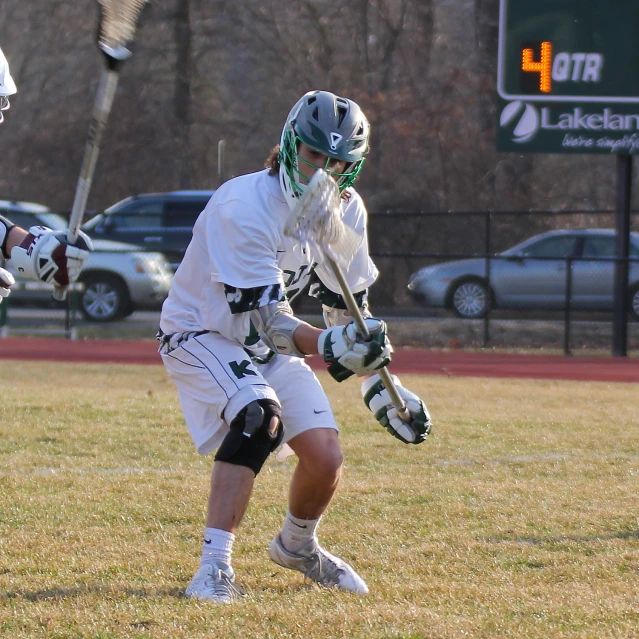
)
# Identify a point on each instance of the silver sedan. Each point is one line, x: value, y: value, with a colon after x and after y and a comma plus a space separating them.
x: 531, y: 275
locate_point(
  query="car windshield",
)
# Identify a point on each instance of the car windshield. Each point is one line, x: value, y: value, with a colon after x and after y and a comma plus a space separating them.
x: 93, y: 222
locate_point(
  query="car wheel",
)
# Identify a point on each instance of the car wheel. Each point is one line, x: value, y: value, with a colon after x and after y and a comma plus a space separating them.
x: 634, y: 301
x: 470, y: 299
x: 105, y: 298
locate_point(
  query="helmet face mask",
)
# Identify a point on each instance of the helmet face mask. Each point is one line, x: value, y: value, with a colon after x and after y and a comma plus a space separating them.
x: 329, y: 125
x: 290, y: 158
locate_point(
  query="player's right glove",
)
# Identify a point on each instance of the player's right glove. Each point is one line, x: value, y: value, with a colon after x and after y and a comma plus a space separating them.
x: 45, y: 254
x: 378, y: 400
x: 347, y: 352
x: 6, y: 282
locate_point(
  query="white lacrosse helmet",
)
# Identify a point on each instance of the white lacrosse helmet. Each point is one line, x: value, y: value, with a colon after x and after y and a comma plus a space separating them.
x: 327, y: 123
x: 7, y: 85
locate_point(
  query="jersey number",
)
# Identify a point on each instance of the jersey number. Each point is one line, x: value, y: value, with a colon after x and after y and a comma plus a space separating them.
x: 294, y: 277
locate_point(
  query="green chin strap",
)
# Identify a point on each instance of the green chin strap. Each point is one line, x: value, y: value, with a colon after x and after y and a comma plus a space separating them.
x: 289, y: 157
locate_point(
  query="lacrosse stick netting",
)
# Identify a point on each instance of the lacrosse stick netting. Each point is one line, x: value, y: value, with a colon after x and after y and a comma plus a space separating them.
x: 317, y: 220
x: 118, y: 22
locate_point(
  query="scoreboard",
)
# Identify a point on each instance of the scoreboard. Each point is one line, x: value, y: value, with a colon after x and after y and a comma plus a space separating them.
x: 568, y: 76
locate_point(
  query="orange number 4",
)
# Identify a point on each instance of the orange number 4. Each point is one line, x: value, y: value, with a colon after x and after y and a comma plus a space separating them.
x: 543, y: 67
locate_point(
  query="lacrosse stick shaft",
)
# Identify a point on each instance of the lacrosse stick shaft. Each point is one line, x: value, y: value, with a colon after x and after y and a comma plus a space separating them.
x: 101, y: 110
x: 358, y: 318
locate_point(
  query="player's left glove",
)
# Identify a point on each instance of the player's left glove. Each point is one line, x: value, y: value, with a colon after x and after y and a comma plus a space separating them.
x: 6, y: 282
x: 378, y: 400
x: 45, y: 254
x: 348, y: 352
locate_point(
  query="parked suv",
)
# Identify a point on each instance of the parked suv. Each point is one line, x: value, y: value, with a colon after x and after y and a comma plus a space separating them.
x: 118, y: 278
x: 156, y: 221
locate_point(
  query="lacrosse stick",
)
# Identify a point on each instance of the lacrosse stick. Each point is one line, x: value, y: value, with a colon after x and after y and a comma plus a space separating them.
x: 118, y: 21
x: 317, y: 221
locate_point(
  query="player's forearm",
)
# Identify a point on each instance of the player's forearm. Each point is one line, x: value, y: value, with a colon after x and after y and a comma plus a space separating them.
x: 15, y: 237
x: 306, y: 337
x: 10, y: 236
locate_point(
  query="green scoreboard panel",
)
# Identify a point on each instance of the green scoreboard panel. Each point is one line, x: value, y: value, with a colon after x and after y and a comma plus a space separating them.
x: 568, y: 76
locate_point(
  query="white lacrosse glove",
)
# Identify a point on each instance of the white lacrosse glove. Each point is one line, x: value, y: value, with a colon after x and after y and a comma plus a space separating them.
x: 378, y: 401
x: 45, y: 254
x: 347, y: 352
x: 6, y: 282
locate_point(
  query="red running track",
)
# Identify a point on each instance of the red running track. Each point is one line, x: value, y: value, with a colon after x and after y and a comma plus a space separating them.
x: 405, y: 360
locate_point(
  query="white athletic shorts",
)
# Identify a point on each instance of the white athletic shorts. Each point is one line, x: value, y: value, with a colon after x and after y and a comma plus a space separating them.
x: 215, y: 379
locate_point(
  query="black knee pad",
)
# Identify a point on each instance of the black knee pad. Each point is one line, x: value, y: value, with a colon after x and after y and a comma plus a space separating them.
x: 250, y: 441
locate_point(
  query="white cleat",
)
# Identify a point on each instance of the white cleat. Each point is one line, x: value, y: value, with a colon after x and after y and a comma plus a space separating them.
x: 318, y: 565
x: 215, y: 582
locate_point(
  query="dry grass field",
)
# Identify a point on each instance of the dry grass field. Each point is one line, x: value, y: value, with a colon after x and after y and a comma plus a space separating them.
x: 518, y: 518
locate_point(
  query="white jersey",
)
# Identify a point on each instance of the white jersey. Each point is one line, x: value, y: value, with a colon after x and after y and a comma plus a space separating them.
x: 238, y: 241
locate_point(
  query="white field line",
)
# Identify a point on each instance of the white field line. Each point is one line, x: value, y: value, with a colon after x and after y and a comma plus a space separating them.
x: 469, y: 461
x: 92, y: 471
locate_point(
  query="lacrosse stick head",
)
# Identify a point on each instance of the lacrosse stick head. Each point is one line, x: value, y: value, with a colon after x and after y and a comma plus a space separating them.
x: 118, y: 22
x: 317, y: 220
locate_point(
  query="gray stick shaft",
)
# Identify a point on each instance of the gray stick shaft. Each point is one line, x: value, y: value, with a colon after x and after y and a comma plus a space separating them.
x: 101, y: 110
x: 358, y: 318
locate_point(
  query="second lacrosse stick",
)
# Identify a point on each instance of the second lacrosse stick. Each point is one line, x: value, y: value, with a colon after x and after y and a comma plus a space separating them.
x: 118, y: 21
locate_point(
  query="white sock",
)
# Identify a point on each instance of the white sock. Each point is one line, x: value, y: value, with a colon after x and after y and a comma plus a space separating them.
x: 297, y: 533
x: 217, y: 546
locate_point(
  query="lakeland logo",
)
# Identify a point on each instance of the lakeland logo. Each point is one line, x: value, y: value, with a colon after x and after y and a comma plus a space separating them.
x: 523, y: 120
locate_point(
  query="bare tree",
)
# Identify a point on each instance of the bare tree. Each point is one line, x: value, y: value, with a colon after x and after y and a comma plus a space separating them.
x: 205, y: 70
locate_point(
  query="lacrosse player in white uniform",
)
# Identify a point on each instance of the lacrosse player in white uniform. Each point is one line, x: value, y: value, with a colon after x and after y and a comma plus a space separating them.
x: 38, y: 253
x: 235, y: 350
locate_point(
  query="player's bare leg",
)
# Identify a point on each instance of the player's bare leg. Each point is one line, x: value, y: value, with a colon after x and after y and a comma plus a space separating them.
x: 231, y: 487
x: 313, y: 485
x: 317, y: 474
